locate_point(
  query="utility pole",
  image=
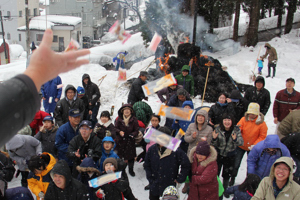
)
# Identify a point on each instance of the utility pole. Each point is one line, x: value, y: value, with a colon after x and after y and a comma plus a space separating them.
x: 27, y: 28
x: 195, y: 21
x: 4, y: 44
x: 81, y: 27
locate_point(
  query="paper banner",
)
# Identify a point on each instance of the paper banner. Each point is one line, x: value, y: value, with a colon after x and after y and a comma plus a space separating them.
x: 101, y: 180
x: 155, y: 42
x: 176, y: 113
x: 156, y: 85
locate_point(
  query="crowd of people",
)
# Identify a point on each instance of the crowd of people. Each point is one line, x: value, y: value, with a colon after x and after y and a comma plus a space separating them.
x: 66, y: 145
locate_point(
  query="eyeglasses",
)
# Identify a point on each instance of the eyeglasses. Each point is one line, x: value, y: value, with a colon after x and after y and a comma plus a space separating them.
x: 282, y: 169
x: 84, y: 129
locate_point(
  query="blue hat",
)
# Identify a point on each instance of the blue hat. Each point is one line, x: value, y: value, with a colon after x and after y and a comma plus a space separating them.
x: 74, y: 112
x: 86, y: 122
x: 48, y: 118
x: 80, y: 90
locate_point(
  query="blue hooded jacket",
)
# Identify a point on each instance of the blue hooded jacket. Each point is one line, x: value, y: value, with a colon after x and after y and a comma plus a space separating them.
x: 105, y: 155
x: 260, y: 162
x: 48, y: 90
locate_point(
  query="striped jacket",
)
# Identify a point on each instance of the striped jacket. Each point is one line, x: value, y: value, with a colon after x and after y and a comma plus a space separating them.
x: 227, y: 148
x: 284, y: 102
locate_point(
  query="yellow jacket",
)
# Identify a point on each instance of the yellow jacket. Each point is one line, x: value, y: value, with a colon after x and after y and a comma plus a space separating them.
x: 39, y: 182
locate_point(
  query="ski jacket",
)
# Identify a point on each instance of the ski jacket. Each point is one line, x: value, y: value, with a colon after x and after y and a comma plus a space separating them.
x: 18, y: 193
x: 23, y: 147
x: 216, y: 112
x: 50, y: 89
x: 61, y: 113
x: 265, y: 189
x: 74, y: 189
x: 136, y: 92
x: 187, y: 82
x: 174, y: 101
x: 206, y: 131
x: 203, y: 181
x: 26, y: 103
x: 115, y: 190
x: 37, y: 121
x: 39, y: 182
x: 260, y: 162
x: 227, y: 148
x: 284, y: 102
x: 271, y: 51
x: 7, y: 168
x: 64, y: 135
x: 252, y: 131
x: 47, y: 138
x: 91, y: 91
x: 162, y: 169
x: 290, y: 124
x: 168, y: 92
x: 105, y: 155
x: 91, y: 148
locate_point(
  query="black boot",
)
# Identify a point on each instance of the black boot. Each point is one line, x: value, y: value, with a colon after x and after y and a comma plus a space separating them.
x: 225, y: 185
x: 130, y: 165
x: 232, y: 181
x: 269, y: 72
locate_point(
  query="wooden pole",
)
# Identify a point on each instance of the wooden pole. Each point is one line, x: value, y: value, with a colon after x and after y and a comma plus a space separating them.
x: 205, y: 86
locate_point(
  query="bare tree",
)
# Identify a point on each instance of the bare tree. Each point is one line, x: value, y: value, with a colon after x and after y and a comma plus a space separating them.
x: 131, y: 5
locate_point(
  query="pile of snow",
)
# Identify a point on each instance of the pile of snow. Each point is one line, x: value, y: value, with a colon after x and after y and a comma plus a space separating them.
x: 114, y: 93
x: 134, y: 46
x: 15, y: 50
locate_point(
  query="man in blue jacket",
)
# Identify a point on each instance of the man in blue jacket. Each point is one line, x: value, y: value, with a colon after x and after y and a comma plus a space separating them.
x: 264, y: 154
x: 65, y: 134
x: 51, y: 94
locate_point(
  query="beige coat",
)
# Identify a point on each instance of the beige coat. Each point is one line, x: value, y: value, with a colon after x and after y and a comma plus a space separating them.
x: 265, y: 189
x: 271, y: 52
x: 290, y: 124
x: 206, y: 131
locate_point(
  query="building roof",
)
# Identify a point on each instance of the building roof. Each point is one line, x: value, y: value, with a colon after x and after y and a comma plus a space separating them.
x: 39, y: 22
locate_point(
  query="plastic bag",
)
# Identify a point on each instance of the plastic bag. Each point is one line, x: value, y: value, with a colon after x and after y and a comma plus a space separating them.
x: 73, y: 45
x: 101, y: 180
x: 122, y: 74
x: 156, y: 85
x: 176, y: 113
x: 162, y: 139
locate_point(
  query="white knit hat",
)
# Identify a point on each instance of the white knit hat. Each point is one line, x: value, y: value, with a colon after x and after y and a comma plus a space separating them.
x: 253, y: 108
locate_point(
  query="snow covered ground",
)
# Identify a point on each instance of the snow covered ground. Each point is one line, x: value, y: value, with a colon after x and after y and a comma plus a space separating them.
x: 114, y: 93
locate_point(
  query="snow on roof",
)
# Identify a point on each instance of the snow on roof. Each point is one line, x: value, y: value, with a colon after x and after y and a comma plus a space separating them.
x: 39, y: 22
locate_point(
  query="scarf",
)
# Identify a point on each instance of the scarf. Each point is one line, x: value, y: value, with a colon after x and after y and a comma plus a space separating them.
x: 222, y: 104
x: 126, y: 120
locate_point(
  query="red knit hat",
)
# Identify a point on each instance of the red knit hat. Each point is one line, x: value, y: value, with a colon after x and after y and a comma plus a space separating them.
x: 203, y: 148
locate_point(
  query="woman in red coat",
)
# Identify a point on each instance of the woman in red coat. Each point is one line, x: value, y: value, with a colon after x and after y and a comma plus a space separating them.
x: 128, y: 129
x: 203, y: 183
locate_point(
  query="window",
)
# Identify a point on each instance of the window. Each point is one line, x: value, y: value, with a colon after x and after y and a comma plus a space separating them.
x: 39, y: 37
x: 20, y: 13
x: 8, y: 36
x: 8, y: 15
x: 20, y: 38
x: 55, y: 38
x: 35, y: 12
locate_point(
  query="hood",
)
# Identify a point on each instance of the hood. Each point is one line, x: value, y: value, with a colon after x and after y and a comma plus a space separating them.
x: 212, y: 156
x: 70, y: 87
x: 272, y: 141
x: 16, y: 142
x: 50, y: 165
x: 62, y: 168
x: 84, y: 76
x: 235, y: 94
x: 288, y: 161
x: 125, y: 105
x: 204, y: 113
x: 260, y: 79
x: 105, y: 124
x: 110, y: 139
x: 88, y: 165
x: 268, y: 45
x: 54, y: 129
x: 260, y: 119
x: 185, y: 67
x: 189, y: 103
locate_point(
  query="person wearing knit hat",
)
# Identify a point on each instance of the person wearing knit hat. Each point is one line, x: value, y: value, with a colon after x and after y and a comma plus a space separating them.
x: 113, y: 163
x: 254, y: 129
x: 259, y: 94
x: 204, y: 171
x: 162, y: 167
x: 186, y: 80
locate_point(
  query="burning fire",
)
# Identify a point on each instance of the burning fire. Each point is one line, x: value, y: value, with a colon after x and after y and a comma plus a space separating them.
x: 163, y: 63
x: 187, y: 39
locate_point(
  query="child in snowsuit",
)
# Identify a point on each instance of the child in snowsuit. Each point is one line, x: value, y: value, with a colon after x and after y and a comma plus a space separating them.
x: 88, y: 171
x: 108, y: 146
x: 260, y: 65
x: 113, y: 190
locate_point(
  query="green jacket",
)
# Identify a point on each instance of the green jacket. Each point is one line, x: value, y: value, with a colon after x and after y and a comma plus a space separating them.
x: 290, y: 124
x: 187, y: 81
x: 265, y: 189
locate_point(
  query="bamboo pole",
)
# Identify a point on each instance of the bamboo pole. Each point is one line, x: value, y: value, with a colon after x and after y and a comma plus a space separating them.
x: 205, y: 85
